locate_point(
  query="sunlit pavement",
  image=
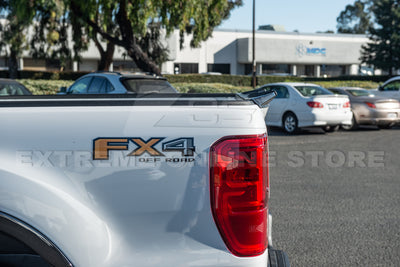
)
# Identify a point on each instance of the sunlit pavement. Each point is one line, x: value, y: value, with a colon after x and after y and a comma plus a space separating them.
x: 335, y: 197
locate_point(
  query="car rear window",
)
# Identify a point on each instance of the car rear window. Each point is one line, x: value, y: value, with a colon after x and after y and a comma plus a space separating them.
x: 359, y: 92
x: 7, y: 89
x: 307, y: 90
x: 148, y: 86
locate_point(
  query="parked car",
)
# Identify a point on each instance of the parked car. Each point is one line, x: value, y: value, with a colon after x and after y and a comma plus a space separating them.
x: 307, y: 105
x: 369, y: 109
x: 118, y: 83
x: 390, y: 88
x: 11, y: 87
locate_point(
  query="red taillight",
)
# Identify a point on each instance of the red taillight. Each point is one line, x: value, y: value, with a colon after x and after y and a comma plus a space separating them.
x: 371, y: 105
x: 239, y: 192
x: 346, y: 105
x: 313, y: 104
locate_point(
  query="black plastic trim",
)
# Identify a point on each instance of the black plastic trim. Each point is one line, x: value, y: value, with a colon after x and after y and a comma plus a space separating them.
x: 277, y: 258
x: 131, y: 96
x: 33, y: 239
x: 124, y: 100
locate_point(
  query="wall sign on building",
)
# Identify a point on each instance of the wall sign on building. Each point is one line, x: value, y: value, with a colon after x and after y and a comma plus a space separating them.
x: 303, y: 50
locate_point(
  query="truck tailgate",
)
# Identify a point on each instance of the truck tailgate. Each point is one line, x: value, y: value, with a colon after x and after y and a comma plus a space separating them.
x: 121, y: 185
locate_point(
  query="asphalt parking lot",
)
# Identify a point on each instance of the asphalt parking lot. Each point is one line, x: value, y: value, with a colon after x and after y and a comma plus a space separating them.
x: 335, y: 198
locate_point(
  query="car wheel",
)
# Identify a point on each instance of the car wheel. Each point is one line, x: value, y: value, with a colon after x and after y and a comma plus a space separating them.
x: 290, y: 123
x: 330, y: 129
x: 352, y: 126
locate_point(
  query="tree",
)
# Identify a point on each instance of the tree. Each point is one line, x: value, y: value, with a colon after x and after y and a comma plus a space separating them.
x: 51, y: 23
x: 13, y: 31
x: 355, y: 18
x: 139, y: 24
x: 82, y: 33
x: 42, y: 17
x: 384, y: 50
x: 327, y: 31
x: 50, y: 30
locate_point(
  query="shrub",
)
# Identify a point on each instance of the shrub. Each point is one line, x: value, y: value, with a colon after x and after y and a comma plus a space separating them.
x: 361, y: 84
x: 376, y: 78
x: 45, y: 87
x: 209, y: 88
x: 39, y: 87
x: 236, y: 80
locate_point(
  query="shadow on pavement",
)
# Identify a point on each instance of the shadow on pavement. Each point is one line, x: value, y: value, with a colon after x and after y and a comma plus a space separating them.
x: 276, y: 131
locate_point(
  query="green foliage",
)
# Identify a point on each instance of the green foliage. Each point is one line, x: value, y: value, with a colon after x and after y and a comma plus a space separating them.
x: 209, y: 88
x: 45, y: 87
x: 348, y: 78
x: 138, y: 24
x: 276, y: 79
x: 19, y: 16
x: 236, y: 80
x: 50, y: 31
x: 355, y: 18
x: 383, y: 51
x: 48, y: 87
x: 82, y: 33
x: 361, y: 84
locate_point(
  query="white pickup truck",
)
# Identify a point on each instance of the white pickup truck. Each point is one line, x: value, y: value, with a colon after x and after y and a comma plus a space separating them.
x: 152, y: 180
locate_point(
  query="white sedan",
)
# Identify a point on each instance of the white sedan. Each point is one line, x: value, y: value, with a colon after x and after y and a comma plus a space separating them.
x: 306, y: 105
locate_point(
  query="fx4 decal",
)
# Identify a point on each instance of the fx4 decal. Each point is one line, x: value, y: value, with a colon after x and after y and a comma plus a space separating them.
x: 102, y: 146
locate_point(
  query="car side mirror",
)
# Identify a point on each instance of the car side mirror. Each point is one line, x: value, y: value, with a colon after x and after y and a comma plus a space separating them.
x: 62, y: 89
x: 380, y: 88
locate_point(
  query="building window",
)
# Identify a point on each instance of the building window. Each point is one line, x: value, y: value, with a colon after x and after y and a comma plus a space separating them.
x: 53, y: 64
x: 248, y: 69
x: 34, y: 64
x: 275, y: 68
x: 125, y: 65
x: 333, y: 70
x: 221, y: 68
x: 181, y: 68
x: 309, y: 70
x: 88, y: 65
x: 3, y: 63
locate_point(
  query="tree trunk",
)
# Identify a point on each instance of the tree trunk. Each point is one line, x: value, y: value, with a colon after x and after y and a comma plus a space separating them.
x: 130, y: 43
x: 142, y: 60
x: 127, y: 40
x: 106, y: 57
x: 13, y: 65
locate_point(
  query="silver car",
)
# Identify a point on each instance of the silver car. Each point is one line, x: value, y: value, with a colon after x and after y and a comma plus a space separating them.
x: 369, y: 109
x: 390, y: 88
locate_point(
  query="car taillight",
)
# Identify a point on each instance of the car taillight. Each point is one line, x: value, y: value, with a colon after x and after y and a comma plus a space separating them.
x: 239, y: 192
x: 371, y: 105
x: 313, y: 104
x: 346, y: 105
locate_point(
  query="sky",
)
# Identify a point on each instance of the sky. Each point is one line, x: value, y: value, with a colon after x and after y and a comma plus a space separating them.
x: 306, y: 16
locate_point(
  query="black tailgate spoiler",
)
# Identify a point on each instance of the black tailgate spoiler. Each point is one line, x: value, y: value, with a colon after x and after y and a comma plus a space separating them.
x: 261, y: 97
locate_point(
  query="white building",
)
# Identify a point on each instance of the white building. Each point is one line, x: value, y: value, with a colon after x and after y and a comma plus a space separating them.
x: 230, y: 52
x: 298, y: 54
